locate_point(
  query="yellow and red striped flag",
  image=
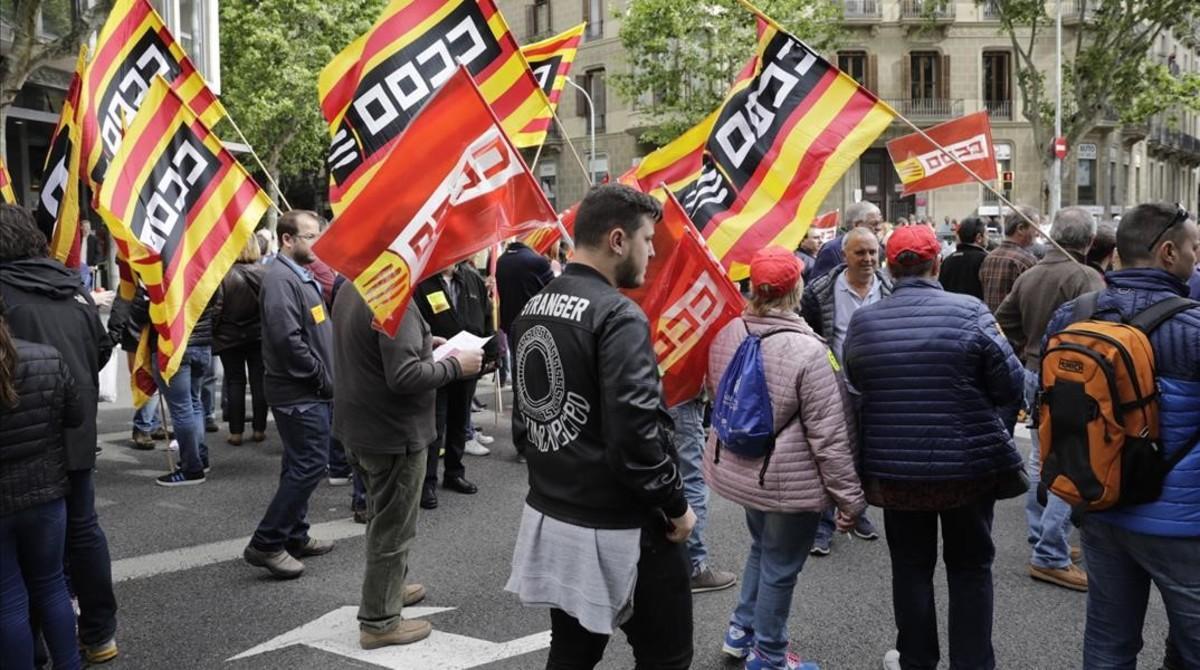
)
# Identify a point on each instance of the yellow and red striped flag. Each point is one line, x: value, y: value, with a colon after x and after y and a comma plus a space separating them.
x: 6, y: 185
x: 134, y: 46
x: 181, y: 209
x: 551, y: 61
x: 60, y: 208
x: 754, y: 173
x: 371, y: 91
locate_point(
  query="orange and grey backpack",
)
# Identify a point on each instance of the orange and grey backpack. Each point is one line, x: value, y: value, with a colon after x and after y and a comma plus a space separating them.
x: 1098, y: 409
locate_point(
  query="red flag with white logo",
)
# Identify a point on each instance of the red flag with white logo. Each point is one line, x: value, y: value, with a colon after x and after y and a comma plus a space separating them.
x: 451, y: 186
x: 924, y: 167
x: 688, y: 298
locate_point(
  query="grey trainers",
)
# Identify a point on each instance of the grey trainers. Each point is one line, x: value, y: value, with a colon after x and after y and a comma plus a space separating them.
x: 712, y: 580
x: 404, y: 632
x: 313, y: 547
x: 280, y: 564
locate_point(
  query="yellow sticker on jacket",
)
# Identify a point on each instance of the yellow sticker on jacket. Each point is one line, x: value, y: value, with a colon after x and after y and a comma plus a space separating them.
x: 318, y: 314
x: 833, y: 361
x: 437, y: 300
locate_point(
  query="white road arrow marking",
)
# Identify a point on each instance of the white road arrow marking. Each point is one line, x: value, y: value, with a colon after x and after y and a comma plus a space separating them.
x: 337, y: 633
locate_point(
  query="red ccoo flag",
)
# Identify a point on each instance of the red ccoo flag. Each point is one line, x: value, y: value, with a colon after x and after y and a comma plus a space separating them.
x: 924, y: 167
x: 688, y: 299
x: 469, y: 190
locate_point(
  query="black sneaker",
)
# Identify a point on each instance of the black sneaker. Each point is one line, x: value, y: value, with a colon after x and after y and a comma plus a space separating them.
x: 179, y: 478
x: 210, y: 425
x: 160, y: 433
x: 142, y: 440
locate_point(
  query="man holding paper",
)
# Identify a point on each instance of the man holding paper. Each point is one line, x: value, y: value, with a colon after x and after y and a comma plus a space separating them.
x: 454, y: 301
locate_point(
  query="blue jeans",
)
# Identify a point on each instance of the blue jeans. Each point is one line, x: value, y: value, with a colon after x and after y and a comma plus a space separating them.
x: 146, y: 418
x: 208, y: 391
x: 338, y: 465
x: 1049, y: 526
x: 779, y: 546
x: 305, y: 434
x: 32, y: 582
x: 689, y: 441
x: 1121, y: 566
x: 88, y: 562
x: 182, y: 394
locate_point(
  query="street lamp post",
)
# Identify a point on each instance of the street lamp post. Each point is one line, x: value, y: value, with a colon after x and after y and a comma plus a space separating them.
x: 591, y: 128
x: 1056, y: 183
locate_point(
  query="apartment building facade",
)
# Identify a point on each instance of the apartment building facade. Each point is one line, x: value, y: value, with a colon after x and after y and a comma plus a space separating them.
x: 963, y: 64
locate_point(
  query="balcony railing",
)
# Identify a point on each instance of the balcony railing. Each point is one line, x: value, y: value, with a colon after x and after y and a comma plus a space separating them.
x: 1075, y: 11
x: 991, y: 10
x: 928, y: 109
x: 940, y: 10
x: 999, y: 109
x: 861, y: 10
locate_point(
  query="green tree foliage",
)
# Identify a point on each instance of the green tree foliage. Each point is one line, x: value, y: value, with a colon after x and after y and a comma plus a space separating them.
x: 683, y: 55
x: 271, y: 54
x: 1110, y: 64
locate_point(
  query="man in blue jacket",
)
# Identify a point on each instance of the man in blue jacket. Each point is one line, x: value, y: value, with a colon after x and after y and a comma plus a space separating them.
x: 1129, y: 547
x: 934, y: 373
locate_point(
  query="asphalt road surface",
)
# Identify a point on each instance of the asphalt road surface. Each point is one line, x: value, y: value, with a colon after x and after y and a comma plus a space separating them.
x: 188, y: 601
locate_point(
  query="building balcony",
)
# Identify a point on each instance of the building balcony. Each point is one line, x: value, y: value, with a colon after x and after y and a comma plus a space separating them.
x: 990, y: 11
x: 914, y: 11
x: 861, y: 11
x: 927, y: 109
x: 1075, y: 12
x: 999, y: 110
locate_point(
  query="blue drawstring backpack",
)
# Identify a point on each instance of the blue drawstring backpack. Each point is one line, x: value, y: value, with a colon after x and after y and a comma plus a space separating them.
x: 742, y: 414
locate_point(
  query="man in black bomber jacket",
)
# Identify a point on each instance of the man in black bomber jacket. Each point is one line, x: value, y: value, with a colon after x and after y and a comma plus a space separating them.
x: 591, y: 424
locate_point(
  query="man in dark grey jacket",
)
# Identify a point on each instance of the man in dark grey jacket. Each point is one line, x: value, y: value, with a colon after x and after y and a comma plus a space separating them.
x: 386, y: 390
x: 298, y: 375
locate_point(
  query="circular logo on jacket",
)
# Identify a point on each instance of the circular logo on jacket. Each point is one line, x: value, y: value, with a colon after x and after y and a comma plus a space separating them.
x: 540, y: 381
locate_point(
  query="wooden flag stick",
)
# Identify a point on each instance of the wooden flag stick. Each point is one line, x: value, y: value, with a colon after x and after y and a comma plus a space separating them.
x: 262, y: 167
x: 586, y: 172
x: 162, y: 413
x: 537, y: 156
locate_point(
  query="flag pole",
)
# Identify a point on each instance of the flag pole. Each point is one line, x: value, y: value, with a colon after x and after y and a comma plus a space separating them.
x: 566, y: 138
x: 258, y: 160
x: 537, y: 156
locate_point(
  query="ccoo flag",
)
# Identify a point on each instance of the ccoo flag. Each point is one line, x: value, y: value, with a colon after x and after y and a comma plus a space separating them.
x: 688, y: 298
x: 61, y: 206
x: 924, y: 167
x: 371, y: 91
x: 551, y: 61
x: 789, y: 128
x: 470, y: 190
x: 135, y: 46
x: 181, y: 209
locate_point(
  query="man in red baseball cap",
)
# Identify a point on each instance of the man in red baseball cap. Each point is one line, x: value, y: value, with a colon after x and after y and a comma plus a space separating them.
x: 935, y: 377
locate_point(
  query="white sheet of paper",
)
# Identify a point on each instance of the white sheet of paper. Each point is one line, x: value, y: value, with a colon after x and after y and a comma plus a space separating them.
x: 461, y: 342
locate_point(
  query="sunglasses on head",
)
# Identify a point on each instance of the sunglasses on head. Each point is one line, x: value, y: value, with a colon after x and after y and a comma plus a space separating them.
x: 1181, y: 215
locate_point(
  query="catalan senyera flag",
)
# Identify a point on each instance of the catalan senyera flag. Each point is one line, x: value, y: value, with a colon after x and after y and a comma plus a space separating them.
x: 134, y: 47
x: 469, y: 190
x: 371, y: 91
x: 688, y: 298
x: 924, y: 167
x: 542, y: 239
x: 60, y: 207
x: 788, y: 129
x: 551, y: 61
x: 180, y: 208
x: 7, y: 195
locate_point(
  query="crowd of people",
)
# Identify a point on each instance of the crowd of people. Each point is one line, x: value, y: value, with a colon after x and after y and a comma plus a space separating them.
x: 887, y: 370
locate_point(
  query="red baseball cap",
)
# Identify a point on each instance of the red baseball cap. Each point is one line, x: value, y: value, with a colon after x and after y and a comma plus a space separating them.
x: 774, y: 271
x: 918, y: 244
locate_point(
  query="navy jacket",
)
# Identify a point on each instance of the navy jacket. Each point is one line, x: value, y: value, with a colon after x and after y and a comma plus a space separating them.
x: 297, y: 338
x: 520, y: 273
x: 1177, y: 360
x: 933, y: 372
x: 1194, y: 285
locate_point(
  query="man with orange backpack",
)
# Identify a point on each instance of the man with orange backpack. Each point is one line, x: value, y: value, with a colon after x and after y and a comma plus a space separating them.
x: 1128, y: 462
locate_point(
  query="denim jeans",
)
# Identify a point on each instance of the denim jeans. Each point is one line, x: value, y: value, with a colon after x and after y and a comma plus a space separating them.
x: 305, y: 434
x: 339, y: 466
x: 208, y: 391
x: 1121, y: 566
x: 145, y: 418
x: 184, y: 403
x: 1049, y: 526
x: 88, y: 562
x: 689, y: 441
x: 968, y: 550
x: 779, y: 545
x: 32, y: 586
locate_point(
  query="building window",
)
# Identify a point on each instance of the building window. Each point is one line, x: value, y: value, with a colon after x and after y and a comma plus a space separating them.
x: 997, y: 83
x: 593, y: 13
x: 1112, y: 182
x: 548, y: 178
x: 1004, y: 164
x: 854, y: 63
x: 1086, y: 176
x: 599, y: 164
x: 926, y: 75
x: 538, y: 19
x: 592, y: 81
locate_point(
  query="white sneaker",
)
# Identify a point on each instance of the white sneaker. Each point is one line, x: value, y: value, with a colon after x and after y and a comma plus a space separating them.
x: 339, y: 481
x: 891, y: 660
x: 474, y: 448
x: 483, y: 439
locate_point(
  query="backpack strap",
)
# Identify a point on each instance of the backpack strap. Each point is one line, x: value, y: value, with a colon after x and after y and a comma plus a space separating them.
x: 1149, y: 319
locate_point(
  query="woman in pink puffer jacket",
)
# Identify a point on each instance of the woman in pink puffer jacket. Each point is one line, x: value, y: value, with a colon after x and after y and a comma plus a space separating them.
x: 812, y: 464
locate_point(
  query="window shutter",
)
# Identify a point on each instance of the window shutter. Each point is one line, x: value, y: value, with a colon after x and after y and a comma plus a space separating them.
x: 530, y: 20
x: 581, y: 108
x: 944, y: 77
x: 600, y: 99
x: 906, y: 66
x: 873, y: 73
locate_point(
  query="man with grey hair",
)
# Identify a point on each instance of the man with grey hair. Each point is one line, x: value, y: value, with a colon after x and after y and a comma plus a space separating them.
x: 1024, y: 315
x: 1002, y: 267
x: 864, y: 214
